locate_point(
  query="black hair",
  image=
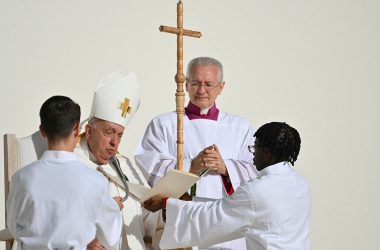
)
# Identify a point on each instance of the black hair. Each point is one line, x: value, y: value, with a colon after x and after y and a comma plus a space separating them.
x: 283, y: 141
x: 59, y: 115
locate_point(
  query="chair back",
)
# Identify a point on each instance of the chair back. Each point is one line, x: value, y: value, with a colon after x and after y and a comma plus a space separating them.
x: 19, y: 152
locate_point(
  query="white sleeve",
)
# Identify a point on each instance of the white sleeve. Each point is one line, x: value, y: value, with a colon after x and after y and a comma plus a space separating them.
x: 241, y: 170
x: 152, y: 155
x: 207, y: 223
x: 108, y: 222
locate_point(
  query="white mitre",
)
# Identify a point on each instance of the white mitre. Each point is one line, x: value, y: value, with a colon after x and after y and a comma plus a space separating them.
x: 116, y: 98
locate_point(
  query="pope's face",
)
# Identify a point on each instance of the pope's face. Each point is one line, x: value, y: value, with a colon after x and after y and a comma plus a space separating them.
x: 103, y: 139
x: 203, y: 85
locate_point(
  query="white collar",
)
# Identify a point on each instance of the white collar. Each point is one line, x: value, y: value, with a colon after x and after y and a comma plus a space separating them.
x: 205, y: 111
x: 87, y: 152
x: 51, y: 155
x: 278, y: 168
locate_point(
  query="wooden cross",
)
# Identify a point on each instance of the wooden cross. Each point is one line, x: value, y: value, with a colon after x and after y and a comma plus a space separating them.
x: 125, y: 108
x: 180, y: 77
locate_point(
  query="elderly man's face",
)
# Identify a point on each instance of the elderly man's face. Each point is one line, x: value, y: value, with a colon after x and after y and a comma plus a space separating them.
x: 203, y: 85
x: 103, y: 138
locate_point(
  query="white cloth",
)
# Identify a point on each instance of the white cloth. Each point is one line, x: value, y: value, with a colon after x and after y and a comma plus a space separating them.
x: 156, y: 154
x: 272, y: 212
x: 138, y: 222
x: 56, y: 203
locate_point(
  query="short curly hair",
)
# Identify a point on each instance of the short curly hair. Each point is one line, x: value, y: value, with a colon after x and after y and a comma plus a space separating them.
x: 283, y: 141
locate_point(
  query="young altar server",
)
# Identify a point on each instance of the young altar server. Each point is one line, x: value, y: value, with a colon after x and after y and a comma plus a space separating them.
x: 272, y: 211
x: 57, y: 202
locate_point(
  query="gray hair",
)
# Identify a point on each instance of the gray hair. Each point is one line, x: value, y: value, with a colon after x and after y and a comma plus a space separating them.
x: 205, y: 61
x: 93, y: 121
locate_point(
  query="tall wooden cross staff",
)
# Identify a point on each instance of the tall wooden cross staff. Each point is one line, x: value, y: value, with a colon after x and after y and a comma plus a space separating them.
x: 180, y: 77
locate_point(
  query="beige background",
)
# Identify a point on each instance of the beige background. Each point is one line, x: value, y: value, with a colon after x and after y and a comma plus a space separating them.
x: 313, y: 64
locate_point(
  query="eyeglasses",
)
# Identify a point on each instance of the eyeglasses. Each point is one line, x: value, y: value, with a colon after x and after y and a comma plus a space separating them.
x: 207, y: 85
x: 251, y: 148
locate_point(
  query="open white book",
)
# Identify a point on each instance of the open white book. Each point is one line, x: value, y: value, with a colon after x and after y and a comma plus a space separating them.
x: 172, y: 185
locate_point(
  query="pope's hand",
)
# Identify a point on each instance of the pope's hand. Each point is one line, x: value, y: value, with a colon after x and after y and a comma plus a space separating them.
x: 95, y: 245
x: 119, y: 202
x: 154, y: 204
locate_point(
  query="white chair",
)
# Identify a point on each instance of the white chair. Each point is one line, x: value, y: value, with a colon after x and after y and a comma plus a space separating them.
x: 19, y: 152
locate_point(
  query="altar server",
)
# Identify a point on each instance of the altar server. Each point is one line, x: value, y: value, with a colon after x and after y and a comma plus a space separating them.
x: 58, y: 202
x: 271, y: 211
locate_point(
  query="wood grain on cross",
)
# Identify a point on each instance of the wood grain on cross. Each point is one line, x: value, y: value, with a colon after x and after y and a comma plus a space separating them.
x: 180, y: 77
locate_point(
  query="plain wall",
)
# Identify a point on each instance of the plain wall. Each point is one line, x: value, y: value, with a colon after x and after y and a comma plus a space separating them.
x: 314, y: 64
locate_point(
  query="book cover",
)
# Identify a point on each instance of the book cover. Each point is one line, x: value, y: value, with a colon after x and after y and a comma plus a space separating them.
x: 174, y: 184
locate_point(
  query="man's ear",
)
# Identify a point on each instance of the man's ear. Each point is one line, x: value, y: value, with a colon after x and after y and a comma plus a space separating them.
x: 42, y: 131
x: 267, y: 154
x: 222, y: 84
x: 76, y: 130
x: 221, y: 87
x: 88, y: 131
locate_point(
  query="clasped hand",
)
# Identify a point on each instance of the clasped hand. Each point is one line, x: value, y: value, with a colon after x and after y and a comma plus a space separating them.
x: 209, y: 158
x: 119, y: 202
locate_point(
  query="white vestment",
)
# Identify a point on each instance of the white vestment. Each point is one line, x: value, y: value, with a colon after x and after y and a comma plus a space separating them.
x: 272, y: 212
x: 56, y: 203
x: 139, y: 224
x: 156, y: 154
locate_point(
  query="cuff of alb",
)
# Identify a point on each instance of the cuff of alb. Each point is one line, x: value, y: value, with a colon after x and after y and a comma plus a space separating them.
x: 164, y: 202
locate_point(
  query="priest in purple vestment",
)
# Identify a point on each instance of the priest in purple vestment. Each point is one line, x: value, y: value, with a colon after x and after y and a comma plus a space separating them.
x: 212, y: 139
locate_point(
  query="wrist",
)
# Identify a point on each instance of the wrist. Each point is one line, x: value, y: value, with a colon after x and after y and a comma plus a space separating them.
x: 191, y: 166
x: 193, y: 169
x: 225, y: 171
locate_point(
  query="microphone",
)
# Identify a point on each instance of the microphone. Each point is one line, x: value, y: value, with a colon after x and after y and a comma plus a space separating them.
x: 115, y: 164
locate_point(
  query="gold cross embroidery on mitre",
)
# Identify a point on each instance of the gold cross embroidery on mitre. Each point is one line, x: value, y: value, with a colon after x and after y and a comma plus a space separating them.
x: 125, y: 108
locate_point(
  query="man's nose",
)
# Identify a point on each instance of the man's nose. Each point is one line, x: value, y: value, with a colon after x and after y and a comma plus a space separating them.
x: 115, y: 140
x: 201, y: 89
